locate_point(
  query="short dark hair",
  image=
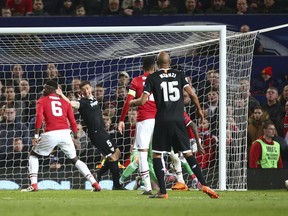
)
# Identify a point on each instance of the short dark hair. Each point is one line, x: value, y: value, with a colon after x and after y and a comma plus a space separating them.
x: 148, y: 63
x: 267, y: 123
x: 52, y: 84
x: 84, y: 82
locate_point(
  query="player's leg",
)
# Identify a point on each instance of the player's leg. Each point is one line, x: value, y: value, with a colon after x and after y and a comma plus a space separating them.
x: 144, y: 131
x: 184, y: 147
x: 180, y: 185
x: 44, y: 147
x: 67, y: 146
x: 112, y: 154
x: 105, y: 166
x: 160, y: 145
x: 188, y: 169
x: 131, y: 168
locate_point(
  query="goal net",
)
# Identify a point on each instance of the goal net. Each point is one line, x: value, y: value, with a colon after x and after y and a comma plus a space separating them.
x: 106, y: 57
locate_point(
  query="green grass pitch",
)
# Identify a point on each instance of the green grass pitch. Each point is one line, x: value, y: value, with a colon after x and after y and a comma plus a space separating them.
x: 125, y: 203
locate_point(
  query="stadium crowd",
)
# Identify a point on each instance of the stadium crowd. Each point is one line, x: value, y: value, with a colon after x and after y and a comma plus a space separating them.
x: 139, y: 7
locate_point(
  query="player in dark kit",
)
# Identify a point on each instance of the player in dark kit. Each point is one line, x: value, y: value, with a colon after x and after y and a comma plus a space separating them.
x: 92, y: 116
x: 167, y: 84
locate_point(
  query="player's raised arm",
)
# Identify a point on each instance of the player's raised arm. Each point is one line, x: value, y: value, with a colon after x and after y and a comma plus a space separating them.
x: 74, y: 104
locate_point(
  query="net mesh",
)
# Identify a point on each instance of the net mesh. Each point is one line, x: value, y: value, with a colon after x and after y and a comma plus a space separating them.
x: 27, y: 61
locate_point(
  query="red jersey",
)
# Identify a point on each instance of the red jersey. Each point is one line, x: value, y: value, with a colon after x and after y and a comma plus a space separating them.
x: 55, y: 111
x: 25, y: 6
x: 256, y: 154
x: 187, y: 121
x: 146, y: 111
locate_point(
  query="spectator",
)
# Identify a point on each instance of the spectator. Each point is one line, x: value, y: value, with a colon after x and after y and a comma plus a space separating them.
x: 191, y: 8
x: 19, y: 156
x: 264, y: 152
x: 255, y: 5
x: 11, y: 127
x: 38, y: 9
x: 284, y: 96
x: 211, y: 111
x: 242, y: 7
x: 258, y: 48
x: 16, y: 76
x: 271, y: 7
x: 164, y: 7
x: 274, y: 109
x: 52, y: 73
x: 2, y: 97
x: 210, y: 84
x: 93, y: 7
x: 255, y: 125
x: 99, y: 94
x: 6, y: 12
x: 67, y: 8
x: 75, y: 87
x: 20, y: 7
x: 245, y: 94
x: 113, y: 8
x: 137, y: 8
x: 260, y: 86
x: 218, y: 7
x: 80, y: 10
x: 123, y: 79
x: 11, y: 100
x: 28, y: 97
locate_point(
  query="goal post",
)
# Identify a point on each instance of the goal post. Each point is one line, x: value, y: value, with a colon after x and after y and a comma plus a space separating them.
x: 100, y: 54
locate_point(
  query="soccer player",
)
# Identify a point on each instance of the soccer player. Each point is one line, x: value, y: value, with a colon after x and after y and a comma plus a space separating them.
x: 166, y: 84
x: 145, y: 121
x: 91, y: 114
x: 55, y: 112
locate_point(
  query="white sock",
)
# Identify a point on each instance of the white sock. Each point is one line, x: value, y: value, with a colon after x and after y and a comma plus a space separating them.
x: 144, y: 170
x: 177, y: 166
x: 33, y: 169
x: 82, y: 167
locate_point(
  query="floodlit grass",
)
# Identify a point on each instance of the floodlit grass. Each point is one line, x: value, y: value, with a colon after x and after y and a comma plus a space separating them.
x: 124, y: 203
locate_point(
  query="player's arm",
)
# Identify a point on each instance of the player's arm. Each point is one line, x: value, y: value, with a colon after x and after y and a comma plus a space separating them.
x: 195, y: 100
x: 139, y: 101
x: 194, y: 128
x: 72, y: 121
x: 74, y: 104
x: 130, y: 96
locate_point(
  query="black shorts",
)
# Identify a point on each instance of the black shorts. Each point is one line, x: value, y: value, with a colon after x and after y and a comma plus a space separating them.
x: 103, y: 142
x: 170, y: 135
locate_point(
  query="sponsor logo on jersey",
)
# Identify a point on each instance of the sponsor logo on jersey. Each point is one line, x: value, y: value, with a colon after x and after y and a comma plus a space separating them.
x: 95, y: 103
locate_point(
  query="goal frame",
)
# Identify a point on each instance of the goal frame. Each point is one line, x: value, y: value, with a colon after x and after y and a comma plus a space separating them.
x: 158, y: 29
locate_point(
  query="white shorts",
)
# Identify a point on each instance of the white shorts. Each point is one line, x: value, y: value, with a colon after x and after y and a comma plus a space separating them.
x: 49, y: 140
x: 144, y: 132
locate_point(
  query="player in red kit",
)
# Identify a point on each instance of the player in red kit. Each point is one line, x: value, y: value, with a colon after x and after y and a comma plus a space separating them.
x: 54, y: 112
x: 20, y: 7
x: 145, y: 121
